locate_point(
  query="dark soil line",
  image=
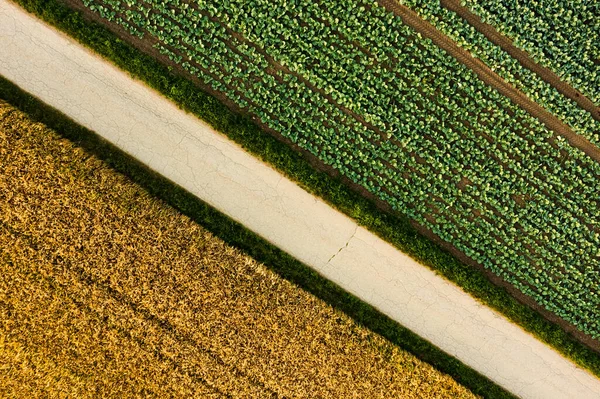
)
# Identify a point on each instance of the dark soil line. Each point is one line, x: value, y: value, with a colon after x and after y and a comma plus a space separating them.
x: 524, y: 59
x: 411, y: 19
x: 87, y: 279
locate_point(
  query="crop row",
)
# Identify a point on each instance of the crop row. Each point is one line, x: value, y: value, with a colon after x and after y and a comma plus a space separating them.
x: 507, y: 67
x: 395, y: 114
x: 561, y: 35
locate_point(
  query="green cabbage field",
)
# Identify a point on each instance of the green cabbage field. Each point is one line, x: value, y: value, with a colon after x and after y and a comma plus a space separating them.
x: 563, y: 35
x: 508, y: 67
x: 363, y: 92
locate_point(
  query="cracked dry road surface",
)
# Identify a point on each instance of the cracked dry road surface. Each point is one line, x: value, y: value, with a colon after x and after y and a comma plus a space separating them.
x: 186, y: 150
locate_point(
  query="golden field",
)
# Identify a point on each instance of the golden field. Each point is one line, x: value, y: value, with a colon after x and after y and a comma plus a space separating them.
x: 108, y: 292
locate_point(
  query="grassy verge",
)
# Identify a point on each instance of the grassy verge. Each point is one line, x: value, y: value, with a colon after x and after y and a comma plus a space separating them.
x: 391, y: 228
x: 94, y: 305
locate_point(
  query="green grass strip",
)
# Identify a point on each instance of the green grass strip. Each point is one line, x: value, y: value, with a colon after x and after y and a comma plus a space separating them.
x: 392, y: 228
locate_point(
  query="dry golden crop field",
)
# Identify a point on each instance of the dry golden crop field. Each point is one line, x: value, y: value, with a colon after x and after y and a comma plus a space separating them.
x: 108, y: 292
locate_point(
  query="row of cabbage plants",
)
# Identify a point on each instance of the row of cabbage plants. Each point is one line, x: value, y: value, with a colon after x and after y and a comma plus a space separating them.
x: 561, y: 35
x: 395, y: 114
x: 507, y: 67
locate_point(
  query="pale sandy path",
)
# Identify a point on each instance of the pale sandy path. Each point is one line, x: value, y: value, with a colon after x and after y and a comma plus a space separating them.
x: 187, y: 151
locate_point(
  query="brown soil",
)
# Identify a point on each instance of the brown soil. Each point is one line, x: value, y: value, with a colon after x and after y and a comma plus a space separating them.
x: 108, y: 292
x: 411, y: 19
x: 445, y: 43
x: 524, y: 59
x: 464, y: 182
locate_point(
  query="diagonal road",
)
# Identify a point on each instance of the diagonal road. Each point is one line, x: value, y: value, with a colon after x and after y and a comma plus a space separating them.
x: 186, y: 150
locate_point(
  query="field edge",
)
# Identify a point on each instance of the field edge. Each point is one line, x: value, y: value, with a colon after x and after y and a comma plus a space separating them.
x: 235, y: 234
x: 391, y: 228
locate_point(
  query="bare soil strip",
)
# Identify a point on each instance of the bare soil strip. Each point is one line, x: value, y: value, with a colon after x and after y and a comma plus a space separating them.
x: 524, y: 59
x: 108, y: 292
x: 410, y: 18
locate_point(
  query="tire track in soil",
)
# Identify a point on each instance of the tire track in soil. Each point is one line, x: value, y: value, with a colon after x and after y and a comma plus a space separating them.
x: 523, y: 57
x: 411, y: 19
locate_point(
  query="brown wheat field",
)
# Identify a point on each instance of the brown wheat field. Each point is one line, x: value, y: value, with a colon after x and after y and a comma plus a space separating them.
x: 108, y: 292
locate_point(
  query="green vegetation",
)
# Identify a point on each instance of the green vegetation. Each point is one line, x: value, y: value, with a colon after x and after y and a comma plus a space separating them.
x: 508, y: 67
x: 396, y: 115
x: 391, y: 228
x: 561, y: 35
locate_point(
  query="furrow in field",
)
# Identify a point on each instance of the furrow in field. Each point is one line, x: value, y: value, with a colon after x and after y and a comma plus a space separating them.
x: 490, y: 77
x: 523, y: 57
